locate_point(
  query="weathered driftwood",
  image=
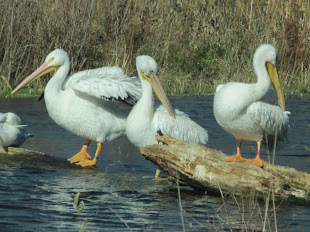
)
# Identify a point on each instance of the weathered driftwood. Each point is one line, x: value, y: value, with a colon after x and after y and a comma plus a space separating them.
x: 204, y: 168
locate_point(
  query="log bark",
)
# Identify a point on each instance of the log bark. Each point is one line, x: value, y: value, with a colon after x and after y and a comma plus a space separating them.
x: 206, y: 169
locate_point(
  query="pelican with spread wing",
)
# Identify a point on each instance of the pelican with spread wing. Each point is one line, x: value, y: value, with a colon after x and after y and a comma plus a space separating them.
x: 87, y: 103
x: 143, y: 122
x: 12, y: 133
x: 239, y: 108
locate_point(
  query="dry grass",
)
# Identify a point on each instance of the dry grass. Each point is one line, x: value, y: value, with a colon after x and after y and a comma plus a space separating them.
x: 198, y: 44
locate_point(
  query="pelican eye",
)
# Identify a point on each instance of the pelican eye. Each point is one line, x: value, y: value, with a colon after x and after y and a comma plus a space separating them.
x: 152, y: 73
x: 51, y: 60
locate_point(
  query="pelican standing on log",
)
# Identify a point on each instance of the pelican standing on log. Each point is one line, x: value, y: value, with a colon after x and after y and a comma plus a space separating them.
x: 239, y: 110
x: 86, y: 103
x: 143, y: 122
x: 12, y: 133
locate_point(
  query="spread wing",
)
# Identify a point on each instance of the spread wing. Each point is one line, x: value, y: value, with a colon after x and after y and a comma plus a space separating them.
x: 181, y: 128
x: 108, y: 83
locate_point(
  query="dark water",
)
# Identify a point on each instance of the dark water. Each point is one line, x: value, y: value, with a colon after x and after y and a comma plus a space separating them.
x: 37, y: 196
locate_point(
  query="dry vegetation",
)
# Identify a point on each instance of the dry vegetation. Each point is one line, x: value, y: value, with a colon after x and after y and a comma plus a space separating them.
x: 198, y: 44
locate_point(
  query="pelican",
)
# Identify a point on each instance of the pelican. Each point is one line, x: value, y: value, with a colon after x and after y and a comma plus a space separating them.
x: 143, y: 122
x: 86, y: 103
x: 12, y: 133
x: 239, y: 108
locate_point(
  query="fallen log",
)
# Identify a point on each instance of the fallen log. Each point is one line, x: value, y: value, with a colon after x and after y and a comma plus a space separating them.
x: 15, y: 155
x: 206, y: 169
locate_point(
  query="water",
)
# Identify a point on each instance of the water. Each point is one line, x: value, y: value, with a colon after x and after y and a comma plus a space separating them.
x: 37, y: 196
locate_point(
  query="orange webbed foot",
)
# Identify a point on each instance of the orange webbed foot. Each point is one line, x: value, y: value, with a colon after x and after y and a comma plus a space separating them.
x: 82, y: 155
x: 87, y: 162
x: 235, y: 158
x: 256, y: 161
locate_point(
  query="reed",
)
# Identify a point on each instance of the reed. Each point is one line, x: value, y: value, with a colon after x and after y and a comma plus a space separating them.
x: 198, y: 44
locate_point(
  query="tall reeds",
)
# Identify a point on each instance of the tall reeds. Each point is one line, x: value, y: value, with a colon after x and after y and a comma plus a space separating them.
x: 198, y: 44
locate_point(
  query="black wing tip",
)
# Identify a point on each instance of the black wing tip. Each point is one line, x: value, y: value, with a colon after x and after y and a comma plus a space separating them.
x: 130, y: 100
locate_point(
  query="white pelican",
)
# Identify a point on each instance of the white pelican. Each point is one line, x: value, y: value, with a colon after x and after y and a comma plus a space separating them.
x: 86, y: 103
x: 239, y: 110
x: 12, y: 133
x: 143, y: 122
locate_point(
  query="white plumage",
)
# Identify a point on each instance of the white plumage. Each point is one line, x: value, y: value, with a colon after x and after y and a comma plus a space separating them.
x: 143, y: 122
x: 10, y: 118
x: 87, y: 103
x: 108, y: 83
x: 12, y: 133
x: 239, y: 109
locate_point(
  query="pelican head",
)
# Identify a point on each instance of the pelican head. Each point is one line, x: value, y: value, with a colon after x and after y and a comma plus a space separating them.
x: 53, y: 61
x: 13, y: 119
x: 265, y: 52
x: 265, y: 58
x: 148, y: 73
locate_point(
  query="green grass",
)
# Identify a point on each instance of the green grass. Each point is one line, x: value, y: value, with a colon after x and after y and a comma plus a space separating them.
x: 23, y: 93
x: 198, y: 44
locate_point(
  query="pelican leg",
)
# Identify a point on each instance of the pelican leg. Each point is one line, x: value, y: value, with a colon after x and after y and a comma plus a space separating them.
x: 88, y: 162
x: 237, y: 157
x: 82, y: 154
x: 257, y: 160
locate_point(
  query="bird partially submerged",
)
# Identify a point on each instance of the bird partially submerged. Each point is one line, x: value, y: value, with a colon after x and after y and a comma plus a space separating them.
x: 239, y: 108
x: 87, y: 103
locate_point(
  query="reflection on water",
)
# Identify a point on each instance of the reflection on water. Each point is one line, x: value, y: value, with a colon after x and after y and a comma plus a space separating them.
x: 37, y: 196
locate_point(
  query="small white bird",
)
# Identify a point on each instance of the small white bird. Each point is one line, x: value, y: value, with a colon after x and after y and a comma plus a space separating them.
x: 143, y: 122
x: 87, y: 103
x: 12, y: 133
x: 239, y: 108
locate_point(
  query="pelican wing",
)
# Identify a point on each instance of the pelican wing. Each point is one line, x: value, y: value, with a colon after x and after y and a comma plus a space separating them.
x: 270, y: 117
x: 108, y: 83
x: 12, y: 135
x: 181, y: 128
x: 8, y: 134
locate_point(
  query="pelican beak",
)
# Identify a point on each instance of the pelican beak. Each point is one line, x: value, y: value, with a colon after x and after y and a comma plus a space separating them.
x: 160, y: 92
x: 42, y: 70
x: 272, y: 71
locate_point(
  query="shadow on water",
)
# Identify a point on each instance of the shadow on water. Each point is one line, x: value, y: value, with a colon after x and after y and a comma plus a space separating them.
x: 36, y: 195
